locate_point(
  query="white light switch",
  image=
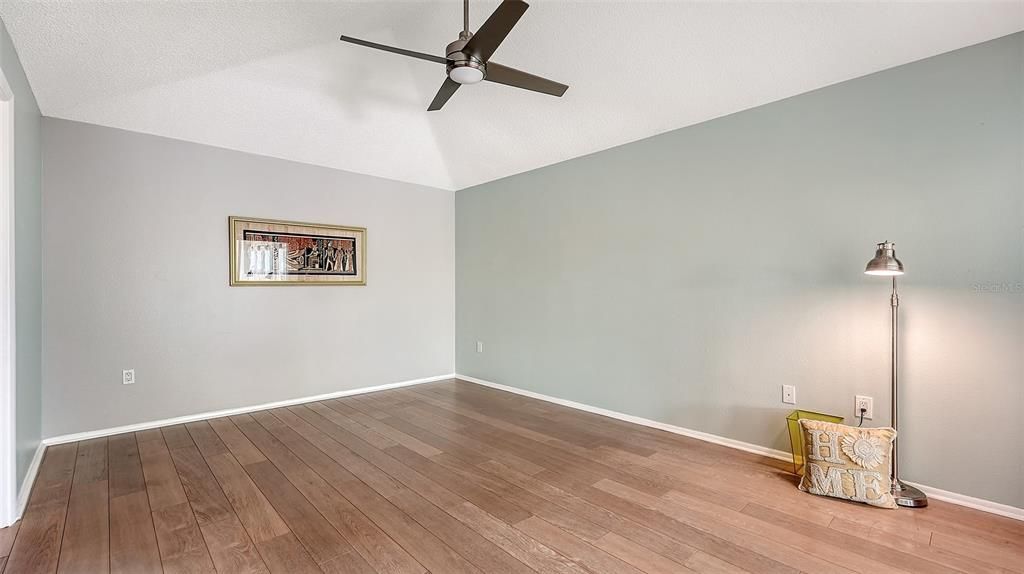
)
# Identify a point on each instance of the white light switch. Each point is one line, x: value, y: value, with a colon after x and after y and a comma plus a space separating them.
x: 128, y: 377
x: 789, y: 394
x: 479, y: 346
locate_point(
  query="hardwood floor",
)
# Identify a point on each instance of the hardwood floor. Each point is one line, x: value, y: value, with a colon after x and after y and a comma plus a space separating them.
x: 453, y: 477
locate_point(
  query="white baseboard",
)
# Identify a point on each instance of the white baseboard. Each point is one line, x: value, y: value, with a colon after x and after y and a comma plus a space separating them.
x: 936, y: 493
x: 236, y: 411
x: 28, y: 481
x: 971, y: 502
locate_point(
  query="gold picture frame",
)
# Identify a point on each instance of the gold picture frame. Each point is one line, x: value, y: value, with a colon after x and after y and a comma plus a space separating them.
x: 268, y: 252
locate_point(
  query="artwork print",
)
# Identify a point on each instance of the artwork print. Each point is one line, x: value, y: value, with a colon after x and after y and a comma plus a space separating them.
x: 271, y: 252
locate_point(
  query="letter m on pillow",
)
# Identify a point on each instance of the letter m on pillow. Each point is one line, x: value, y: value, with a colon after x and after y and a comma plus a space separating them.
x: 827, y: 481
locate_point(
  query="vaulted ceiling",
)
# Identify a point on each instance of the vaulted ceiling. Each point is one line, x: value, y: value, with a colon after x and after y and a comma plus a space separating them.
x: 272, y: 78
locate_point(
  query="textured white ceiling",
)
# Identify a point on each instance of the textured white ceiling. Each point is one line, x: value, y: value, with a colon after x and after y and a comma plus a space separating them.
x: 272, y: 78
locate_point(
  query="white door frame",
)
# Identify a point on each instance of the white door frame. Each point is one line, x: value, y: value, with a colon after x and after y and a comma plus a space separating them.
x: 8, y: 445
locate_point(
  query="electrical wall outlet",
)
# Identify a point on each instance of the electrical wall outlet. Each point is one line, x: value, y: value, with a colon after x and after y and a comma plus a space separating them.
x: 128, y: 377
x: 789, y: 394
x: 479, y: 346
x: 866, y: 403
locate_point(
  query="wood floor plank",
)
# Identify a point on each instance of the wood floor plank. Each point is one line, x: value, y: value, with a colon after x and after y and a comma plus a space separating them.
x: 56, y: 472
x: 243, y: 450
x: 162, y: 483
x: 497, y: 531
x: 832, y: 559
x: 640, y: 476
x: 920, y: 548
x: 415, y: 400
x: 651, y: 539
x: 442, y: 444
x: 401, y: 438
x: 639, y: 556
x: 322, y: 541
x: 577, y: 549
x: 444, y: 498
x: 86, y: 541
x: 427, y: 513
x: 369, y: 435
x: 251, y: 506
x: 534, y: 446
x: 895, y: 558
x: 86, y: 544
x: 285, y: 554
x: 206, y: 438
x: 361, y: 456
x: 176, y: 436
x: 997, y: 553
x: 478, y: 495
x: 442, y: 427
x: 125, y: 466
x: 201, y: 488
x: 372, y: 543
x: 708, y: 564
x: 91, y: 463
x: 694, y: 537
x: 461, y: 467
x: 37, y: 546
x: 523, y: 498
x: 133, y: 546
x: 148, y: 435
x: 479, y: 551
x: 535, y: 554
x: 182, y: 548
x: 757, y: 538
x: 231, y: 548
x: 7, y: 536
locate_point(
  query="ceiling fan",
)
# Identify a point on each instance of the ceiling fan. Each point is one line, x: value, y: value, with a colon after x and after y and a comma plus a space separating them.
x: 468, y: 58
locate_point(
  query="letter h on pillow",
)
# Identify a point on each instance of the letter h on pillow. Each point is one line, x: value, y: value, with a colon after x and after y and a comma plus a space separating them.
x: 848, y: 462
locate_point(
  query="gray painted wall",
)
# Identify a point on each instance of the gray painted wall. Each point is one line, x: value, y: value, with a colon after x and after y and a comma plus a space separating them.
x: 28, y: 255
x: 686, y: 277
x: 136, y: 276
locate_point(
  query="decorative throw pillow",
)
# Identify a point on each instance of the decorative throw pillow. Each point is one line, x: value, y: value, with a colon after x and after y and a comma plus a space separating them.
x: 848, y: 462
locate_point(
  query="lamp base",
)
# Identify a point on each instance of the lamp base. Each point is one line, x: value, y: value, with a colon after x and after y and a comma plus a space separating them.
x: 908, y: 496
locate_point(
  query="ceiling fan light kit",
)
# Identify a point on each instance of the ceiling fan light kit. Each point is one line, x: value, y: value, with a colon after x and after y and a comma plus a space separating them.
x: 467, y: 60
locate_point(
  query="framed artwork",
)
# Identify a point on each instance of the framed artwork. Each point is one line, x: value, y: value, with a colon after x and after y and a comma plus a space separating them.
x: 271, y: 252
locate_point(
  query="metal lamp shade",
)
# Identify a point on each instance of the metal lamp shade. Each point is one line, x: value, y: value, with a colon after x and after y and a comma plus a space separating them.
x: 885, y: 262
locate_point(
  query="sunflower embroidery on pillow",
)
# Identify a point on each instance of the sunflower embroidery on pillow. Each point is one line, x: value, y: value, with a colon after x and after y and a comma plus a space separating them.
x: 848, y: 462
x: 865, y: 449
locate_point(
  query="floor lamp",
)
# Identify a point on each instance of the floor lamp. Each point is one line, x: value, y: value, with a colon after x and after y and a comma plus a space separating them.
x: 885, y: 264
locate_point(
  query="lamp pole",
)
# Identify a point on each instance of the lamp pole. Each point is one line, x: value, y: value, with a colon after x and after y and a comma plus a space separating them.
x: 885, y: 263
x: 894, y: 339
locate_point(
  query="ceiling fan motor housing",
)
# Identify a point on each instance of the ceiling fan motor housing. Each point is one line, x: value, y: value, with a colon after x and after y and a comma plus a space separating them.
x: 459, y: 59
x: 468, y: 59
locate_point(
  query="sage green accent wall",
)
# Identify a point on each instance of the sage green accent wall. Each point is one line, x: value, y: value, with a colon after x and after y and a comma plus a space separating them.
x: 686, y: 277
x: 27, y: 256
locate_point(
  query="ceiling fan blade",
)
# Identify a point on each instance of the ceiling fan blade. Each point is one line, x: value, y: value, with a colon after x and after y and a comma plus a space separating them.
x: 447, y: 91
x: 520, y: 79
x: 498, y: 25
x: 410, y: 53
